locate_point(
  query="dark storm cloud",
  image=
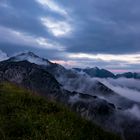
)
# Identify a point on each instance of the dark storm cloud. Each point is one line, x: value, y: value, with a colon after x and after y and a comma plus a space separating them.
x: 110, y: 26
x: 25, y: 16
x: 91, y: 26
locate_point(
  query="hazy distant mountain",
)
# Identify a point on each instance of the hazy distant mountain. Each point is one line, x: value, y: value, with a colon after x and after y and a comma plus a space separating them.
x: 129, y: 75
x: 102, y: 73
x: 96, y: 72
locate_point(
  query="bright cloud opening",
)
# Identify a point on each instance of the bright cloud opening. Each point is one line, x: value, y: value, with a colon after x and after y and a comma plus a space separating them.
x: 57, y: 28
x: 53, y: 6
x: 128, y: 58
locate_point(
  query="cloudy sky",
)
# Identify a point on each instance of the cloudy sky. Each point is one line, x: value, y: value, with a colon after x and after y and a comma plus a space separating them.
x: 75, y: 33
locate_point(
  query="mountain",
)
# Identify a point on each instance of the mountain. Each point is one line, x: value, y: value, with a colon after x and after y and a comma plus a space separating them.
x: 129, y: 75
x: 63, y: 75
x: 54, y: 68
x: 38, y: 80
x: 57, y: 69
x: 96, y: 72
x: 31, y: 57
x: 69, y: 79
x: 102, y: 73
x: 100, y: 105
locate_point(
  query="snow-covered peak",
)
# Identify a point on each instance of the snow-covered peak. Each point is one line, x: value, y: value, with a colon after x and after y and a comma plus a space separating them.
x: 31, y: 57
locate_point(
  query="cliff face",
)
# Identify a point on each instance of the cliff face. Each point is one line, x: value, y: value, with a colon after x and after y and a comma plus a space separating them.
x: 30, y: 76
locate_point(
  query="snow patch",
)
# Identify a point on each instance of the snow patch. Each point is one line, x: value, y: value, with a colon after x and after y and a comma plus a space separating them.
x: 32, y: 58
x: 135, y: 111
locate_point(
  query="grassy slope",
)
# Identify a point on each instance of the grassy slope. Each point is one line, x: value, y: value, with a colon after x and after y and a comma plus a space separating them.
x: 28, y: 117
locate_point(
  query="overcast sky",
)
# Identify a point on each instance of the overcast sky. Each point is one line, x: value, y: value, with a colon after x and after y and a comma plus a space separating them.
x: 75, y: 33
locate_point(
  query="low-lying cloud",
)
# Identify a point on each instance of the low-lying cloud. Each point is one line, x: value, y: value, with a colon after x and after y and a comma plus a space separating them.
x: 128, y: 88
x: 135, y: 111
x: 126, y: 91
x: 126, y: 82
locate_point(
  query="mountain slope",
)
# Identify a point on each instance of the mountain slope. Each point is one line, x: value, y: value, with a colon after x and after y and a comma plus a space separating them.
x: 37, y: 79
x: 30, y: 76
x: 24, y: 116
x: 31, y: 57
x: 62, y: 74
x: 129, y: 75
x: 50, y: 81
x: 96, y: 72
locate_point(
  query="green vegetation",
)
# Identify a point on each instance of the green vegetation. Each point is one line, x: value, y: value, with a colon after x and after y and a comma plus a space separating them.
x: 24, y: 116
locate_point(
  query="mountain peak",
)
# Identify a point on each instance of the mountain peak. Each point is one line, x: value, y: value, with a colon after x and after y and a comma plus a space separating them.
x: 91, y: 68
x: 30, y: 57
x: 31, y: 54
x: 96, y: 72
